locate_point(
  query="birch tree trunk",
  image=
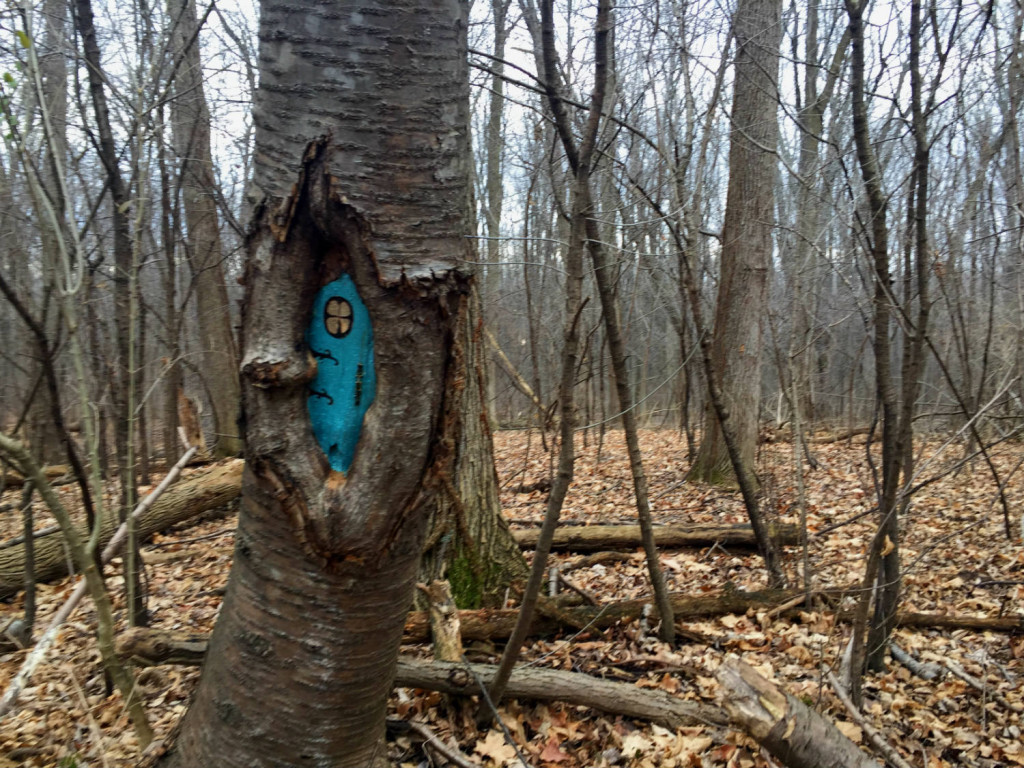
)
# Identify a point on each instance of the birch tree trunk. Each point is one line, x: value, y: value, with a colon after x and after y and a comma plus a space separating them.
x: 361, y: 122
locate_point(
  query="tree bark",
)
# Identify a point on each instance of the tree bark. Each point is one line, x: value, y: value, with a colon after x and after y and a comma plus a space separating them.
x: 746, y: 239
x: 190, y: 118
x: 361, y: 169
x: 469, y: 542
x: 185, y: 500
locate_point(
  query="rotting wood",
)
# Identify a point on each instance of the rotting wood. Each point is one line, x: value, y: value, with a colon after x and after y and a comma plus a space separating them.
x: 594, y: 538
x: 188, y: 498
x: 57, y: 474
x: 444, y: 621
x: 152, y: 647
x: 598, y: 558
x: 905, y: 620
x: 790, y: 730
x: 839, y: 437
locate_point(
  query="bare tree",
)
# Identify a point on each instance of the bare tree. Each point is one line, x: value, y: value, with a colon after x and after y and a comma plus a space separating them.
x: 190, y: 118
x: 361, y: 164
x: 746, y: 237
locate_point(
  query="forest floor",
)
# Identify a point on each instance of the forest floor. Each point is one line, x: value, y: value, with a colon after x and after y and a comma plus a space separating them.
x: 956, y: 555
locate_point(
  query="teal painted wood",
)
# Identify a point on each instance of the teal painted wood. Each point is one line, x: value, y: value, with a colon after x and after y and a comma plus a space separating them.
x: 340, y: 337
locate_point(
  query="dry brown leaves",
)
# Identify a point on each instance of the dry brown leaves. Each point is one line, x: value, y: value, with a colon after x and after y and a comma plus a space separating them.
x: 956, y: 555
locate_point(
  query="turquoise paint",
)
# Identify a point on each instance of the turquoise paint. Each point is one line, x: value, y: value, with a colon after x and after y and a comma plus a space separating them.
x: 341, y: 339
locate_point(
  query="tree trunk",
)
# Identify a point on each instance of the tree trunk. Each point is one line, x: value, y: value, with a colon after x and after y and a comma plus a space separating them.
x: 44, y: 435
x: 361, y: 121
x: 191, y: 120
x: 878, y: 244
x: 124, y: 278
x: 469, y: 541
x: 746, y: 239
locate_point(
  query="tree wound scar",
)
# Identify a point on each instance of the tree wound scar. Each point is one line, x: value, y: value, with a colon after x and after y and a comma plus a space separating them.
x: 340, y: 337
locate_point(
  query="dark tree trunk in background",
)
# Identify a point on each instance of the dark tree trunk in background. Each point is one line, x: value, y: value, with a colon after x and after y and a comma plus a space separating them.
x: 469, y: 541
x: 361, y: 127
x: 45, y: 438
x: 123, y: 380
x: 746, y: 239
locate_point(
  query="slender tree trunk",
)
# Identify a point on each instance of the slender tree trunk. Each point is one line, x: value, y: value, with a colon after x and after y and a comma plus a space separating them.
x: 361, y: 162
x: 44, y: 435
x: 886, y: 397
x: 190, y: 118
x: 123, y: 272
x: 171, y: 368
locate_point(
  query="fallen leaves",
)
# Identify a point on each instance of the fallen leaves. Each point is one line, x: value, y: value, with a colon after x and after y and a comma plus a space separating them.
x: 956, y: 555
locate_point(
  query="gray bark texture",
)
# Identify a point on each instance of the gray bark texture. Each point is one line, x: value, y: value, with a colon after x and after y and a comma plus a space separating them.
x: 361, y: 169
x: 746, y: 237
x: 469, y: 541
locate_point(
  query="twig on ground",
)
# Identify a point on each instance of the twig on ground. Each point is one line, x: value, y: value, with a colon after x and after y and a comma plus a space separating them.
x: 878, y: 741
x: 432, y: 740
x: 924, y: 670
x: 981, y: 686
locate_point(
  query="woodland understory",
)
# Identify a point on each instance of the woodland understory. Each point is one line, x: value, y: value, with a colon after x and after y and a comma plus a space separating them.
x: 958, y: 561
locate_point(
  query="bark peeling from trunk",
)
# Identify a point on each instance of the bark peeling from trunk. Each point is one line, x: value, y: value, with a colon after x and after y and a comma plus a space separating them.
x: 312, y: 239
x: 361, y: 175
x: 313, y: 541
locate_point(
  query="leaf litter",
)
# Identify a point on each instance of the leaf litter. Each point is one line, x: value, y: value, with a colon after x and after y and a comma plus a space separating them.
x: 956, y: 556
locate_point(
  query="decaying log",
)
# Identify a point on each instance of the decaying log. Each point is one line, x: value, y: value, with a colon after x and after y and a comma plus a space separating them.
x: 1011, y: 623
x: 540, y: 684
x: 787, y: 728
x: 488, y: 624
x: 598, y: 558
x: 54, y: 473
x: 838, y: 437
x: 444, y: 621
x: 495, y: 624
x: 188, y: 498
x: 149, y: 647
x: 597, y: 538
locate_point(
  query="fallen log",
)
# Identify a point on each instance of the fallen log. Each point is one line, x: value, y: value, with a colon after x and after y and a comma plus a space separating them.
x: 598, y: 538
x: 553, y: 685
x: 153, y: 647
x: 1011, y: 623
x: 838, y: 437
x: 186, y: 499
x: 786, y: 727
x: 497, y: 624
x: 54, y: 473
